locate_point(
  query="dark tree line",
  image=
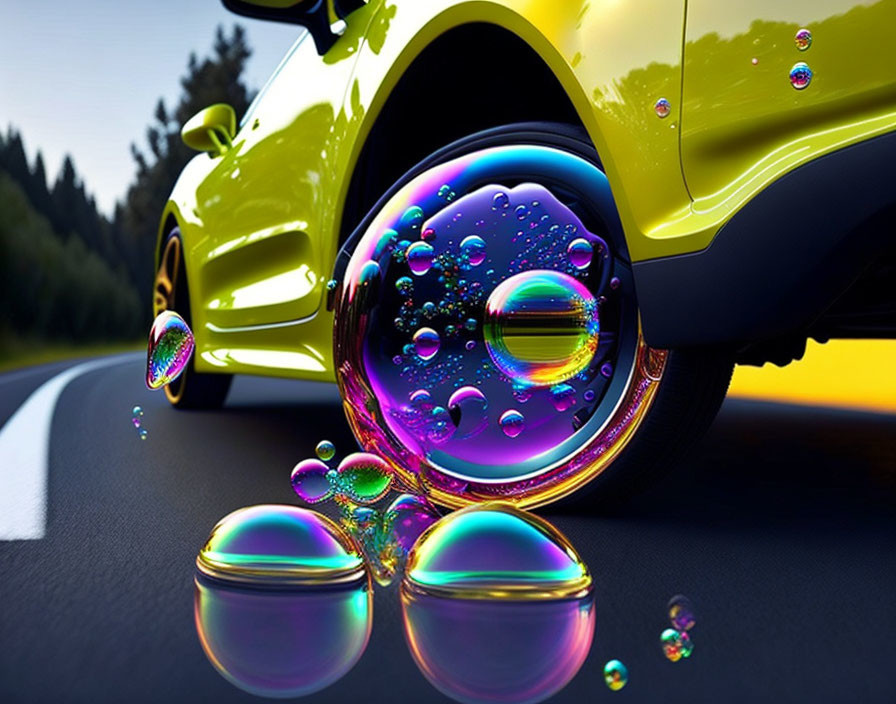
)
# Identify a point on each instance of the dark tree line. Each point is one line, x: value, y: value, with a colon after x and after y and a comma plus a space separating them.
x: 66, y: 271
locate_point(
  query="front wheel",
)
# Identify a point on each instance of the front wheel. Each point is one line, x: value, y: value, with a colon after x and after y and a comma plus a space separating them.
x: 171, y: 292
x: 488, y: 341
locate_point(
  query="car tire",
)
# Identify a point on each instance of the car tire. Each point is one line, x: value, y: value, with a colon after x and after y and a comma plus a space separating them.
x: 689, y: 384
x: 191, y: 390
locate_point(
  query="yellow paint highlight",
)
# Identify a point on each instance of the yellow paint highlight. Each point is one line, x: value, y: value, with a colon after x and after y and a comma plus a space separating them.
x: 843, y: 373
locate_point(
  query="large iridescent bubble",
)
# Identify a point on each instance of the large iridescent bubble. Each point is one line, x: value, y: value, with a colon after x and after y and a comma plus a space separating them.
x: 169, y: 349
x: 279, y: 644
x: 279, y: 545
x: 541, y: 327
x: 495, y: 550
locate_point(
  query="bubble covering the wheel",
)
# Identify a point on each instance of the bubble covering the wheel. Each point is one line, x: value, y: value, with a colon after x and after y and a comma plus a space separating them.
x: 487, y: 340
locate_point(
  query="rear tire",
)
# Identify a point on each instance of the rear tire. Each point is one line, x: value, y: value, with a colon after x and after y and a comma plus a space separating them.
x: 191, y: 390
x: 688, y: 385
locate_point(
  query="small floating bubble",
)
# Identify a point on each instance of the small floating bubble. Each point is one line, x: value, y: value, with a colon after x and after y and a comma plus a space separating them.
x: 803, y: 39
x: 512, y: 423
x: 470, y: 344
x: 501, y: 201
x: 404, y: 285
x: 369, y: 274
x: 332, y: 284
x: 662, y: 108
x: 467, y: 407
x: 429, y: 309
x: 169, y: 349
x: 363, y: 478
x: 311, y: 482
x: 412, y: 218
x: 411, y: 515
x: 588, y: 395
x: 615, y: 282
x: 325, y: 450
x: 473, y: 249
x: 137, y: 411
x: 444, y: 191
x: 522, y: 212
x: 676, y: 644
x: 563, y: 396
x: 426, y: 343
x: 681, y: 613
x: 136, y: 421
x: 142, y: 433
x: 420, y: 397
x: 580, y: 252
x: 606, y: 370
x: 428, y: 235
x: 470, y: 324
x: 420, y: 256
x: 800, y: 75
x: 615, y: 675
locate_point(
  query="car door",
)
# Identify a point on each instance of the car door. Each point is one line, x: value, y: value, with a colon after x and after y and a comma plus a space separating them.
x: 769, y: 85
x: 266, y: 208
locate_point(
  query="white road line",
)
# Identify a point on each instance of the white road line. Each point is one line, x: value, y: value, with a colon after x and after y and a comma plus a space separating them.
x: 24, y: 455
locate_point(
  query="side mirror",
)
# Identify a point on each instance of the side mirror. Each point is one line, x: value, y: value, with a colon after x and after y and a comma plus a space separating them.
x: 313, y: 14
x: 211, y: 130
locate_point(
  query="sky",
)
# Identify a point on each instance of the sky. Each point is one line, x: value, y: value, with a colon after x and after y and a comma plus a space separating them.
x: 83, y: 76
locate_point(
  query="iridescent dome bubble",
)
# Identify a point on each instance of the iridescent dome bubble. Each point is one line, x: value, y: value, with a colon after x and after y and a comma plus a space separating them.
x: 426, y: 343
x: 676, y: 644
x: 495, y: 550
x: 275, y: 643
x: 681, y: 613
x: 363, y: 478
x: 486, y: 650
x: 803, y: 39
x: 170, y: 346
x: 279, y: 545
x: 310, y: 481
x: 615, y: 675
x: 541, y: 327
x: 325, y: 450
x: 662, y: 108
x: 420, y: 255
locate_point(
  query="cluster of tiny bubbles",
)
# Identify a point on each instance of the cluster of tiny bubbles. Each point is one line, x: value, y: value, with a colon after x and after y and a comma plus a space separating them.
x: 405, y: 285
x: 800, y: 75
x: 447, y: 193
x: 426, y: 343
x: 615, y: 675
x: 168, y: 352
x: 512, y: 422
x: 136, y: 420
x: 419, y: 256
x: 580, y: 252
x: 361, y: 478
x: 676, y: 644
x: 681, y: 613
x: 325, y: 450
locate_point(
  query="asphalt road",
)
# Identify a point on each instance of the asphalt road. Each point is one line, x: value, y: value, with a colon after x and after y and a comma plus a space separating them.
x: 780, y: 528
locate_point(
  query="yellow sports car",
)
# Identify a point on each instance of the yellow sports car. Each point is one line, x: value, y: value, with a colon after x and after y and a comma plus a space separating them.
x: 530, y: 238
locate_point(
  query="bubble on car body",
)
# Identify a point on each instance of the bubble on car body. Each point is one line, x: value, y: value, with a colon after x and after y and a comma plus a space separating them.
x: 800, y: 75
x: 662, y: 108
x: 803, y: 39
x: 563, y: 396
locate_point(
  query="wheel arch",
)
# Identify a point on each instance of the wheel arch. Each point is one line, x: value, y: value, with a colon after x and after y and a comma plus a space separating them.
x: 491, y: 41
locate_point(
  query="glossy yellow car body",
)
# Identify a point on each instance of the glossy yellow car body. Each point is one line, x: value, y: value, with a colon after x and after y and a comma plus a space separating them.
x: 261, y: 222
